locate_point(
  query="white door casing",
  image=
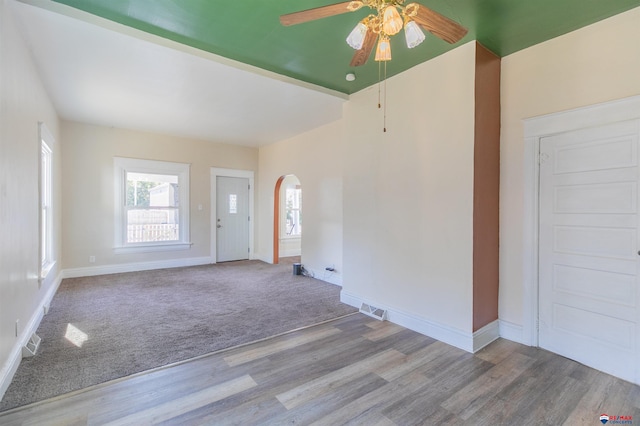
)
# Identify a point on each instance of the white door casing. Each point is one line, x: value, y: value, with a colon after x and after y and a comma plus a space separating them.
x: 588, y: 234
x: 535, y: 129
x: 248, y: 176
x: 232, y: 218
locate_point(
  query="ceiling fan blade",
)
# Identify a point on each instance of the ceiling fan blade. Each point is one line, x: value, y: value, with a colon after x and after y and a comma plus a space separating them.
x: 439, y: 25
x: 362, y: 55
x: 316, y: 13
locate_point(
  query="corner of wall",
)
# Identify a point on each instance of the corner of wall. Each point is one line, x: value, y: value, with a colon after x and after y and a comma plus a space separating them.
x: 486, y: 189
x: 470, y: 342
x: 15, y: 357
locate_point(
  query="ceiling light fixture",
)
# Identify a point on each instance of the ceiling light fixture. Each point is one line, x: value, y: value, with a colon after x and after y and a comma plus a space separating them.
x: 388, y: 19
x: 412, y: 34
x: 383, y: 51
x: 387, y: 22
x: 356, y: 37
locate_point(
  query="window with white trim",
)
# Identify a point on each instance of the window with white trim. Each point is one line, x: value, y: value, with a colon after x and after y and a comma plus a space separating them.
x: 152, y: 205
x: 46, y: 210
x: 293, y: 211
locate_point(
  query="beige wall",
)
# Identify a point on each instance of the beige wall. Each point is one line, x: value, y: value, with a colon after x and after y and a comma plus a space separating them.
x: 408, y: 193
x: 23, y: 103
x: 391, y: 211
x: 597, y: 63
x: 316, y: 159
x: 88, y: 185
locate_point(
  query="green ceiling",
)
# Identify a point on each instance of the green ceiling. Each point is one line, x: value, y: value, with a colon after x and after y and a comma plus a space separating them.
x: 249, y: 31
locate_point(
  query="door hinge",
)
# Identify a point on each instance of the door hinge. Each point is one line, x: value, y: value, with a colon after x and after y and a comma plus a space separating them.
x: 249, y: 218
x: 543, y: 158
x: 248, y: 249
x: 248, y: 186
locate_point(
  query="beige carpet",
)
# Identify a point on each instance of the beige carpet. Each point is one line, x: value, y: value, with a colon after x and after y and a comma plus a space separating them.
x: 106, y: 327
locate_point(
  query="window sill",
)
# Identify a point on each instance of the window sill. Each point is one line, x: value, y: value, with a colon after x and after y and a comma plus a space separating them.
x: 46, y: 269
x: 150, y: 248
x: 290, y: 237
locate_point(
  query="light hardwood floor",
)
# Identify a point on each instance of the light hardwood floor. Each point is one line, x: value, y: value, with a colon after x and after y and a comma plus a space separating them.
x: 357, y: 371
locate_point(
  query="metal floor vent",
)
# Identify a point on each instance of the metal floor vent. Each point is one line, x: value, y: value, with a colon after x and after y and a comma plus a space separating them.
x: 372, y: 311
x: 32, y: 346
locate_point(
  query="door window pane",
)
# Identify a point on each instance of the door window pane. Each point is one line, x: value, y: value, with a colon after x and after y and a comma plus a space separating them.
x: 233, y: 203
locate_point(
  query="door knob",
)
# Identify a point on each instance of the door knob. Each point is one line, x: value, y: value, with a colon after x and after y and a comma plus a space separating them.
x: 219, y: 226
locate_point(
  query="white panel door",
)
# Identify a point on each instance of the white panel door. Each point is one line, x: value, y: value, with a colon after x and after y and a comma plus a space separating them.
x: 232, y: 218
x: 588, y: 271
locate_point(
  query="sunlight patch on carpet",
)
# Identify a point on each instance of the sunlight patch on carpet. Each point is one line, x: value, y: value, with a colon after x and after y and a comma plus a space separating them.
x: 75, y: 335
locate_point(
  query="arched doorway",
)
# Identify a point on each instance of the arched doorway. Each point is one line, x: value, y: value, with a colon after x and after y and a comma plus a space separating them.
x: 287, y: 217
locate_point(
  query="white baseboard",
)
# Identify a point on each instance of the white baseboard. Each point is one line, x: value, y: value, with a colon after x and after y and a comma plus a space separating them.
x: 132, y: 267
x: 13, y: 362
x: 468, y: 341
x: 289, y: 253
x: 486, y: 335
x: 326, y: 276
x: 513, y: 332
x: 265, y: 259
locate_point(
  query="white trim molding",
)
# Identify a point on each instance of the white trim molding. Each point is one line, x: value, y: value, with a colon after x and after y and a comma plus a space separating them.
x: 535, y: 129
x: 91, y: 271
x: 247, y: 174
x: 15, y: 356
x: 45, y: 198
x: 121, y: 167
x: 485, y: 335
x: 324, y: 275
x: 511, y: 331
x: 468, y: 341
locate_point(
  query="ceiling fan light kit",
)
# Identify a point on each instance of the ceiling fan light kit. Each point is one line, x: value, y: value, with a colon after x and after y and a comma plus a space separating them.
x: 383, y: 51
x: 391, y: 21
x: 389, y: 17
x: 357, y: 35
x: 413, y: 34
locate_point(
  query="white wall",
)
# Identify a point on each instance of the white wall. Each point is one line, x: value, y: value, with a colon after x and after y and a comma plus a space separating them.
x: 316, y: 159
x: 597, y: 63
x: 408, y: 193
x: 88, y: 190
x: 23, y: 103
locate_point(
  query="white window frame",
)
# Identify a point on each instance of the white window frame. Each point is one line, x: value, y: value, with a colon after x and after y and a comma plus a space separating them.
x: 122, y: 166
x: 45, y: 190
x: 283, y: 214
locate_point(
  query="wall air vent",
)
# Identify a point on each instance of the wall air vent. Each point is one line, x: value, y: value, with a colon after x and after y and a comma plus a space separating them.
x: 32, y: 346
x: 373, y: 312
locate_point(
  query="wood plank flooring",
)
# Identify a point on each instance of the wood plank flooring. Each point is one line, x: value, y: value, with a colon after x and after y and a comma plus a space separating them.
x: 351, y: 371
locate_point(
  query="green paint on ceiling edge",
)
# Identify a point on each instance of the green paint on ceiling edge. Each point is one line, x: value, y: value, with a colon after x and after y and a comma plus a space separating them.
x: 315, y: 52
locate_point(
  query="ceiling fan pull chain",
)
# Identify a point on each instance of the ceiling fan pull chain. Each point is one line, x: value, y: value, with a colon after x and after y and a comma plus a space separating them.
x: 379, y: 84
x: 384, y: 111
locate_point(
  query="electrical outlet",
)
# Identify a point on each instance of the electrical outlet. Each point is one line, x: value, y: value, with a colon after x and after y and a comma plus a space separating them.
x: 92, y: 259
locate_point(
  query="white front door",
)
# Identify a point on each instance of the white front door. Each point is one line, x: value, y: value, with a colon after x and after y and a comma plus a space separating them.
x: 588, y: 271
x: 232, y: 218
